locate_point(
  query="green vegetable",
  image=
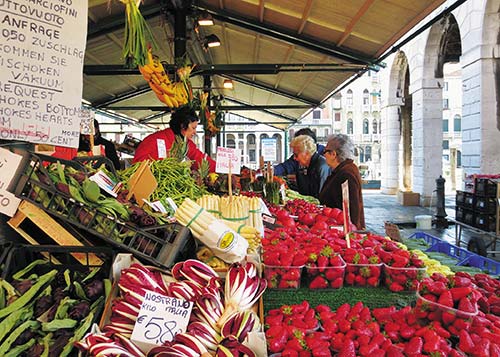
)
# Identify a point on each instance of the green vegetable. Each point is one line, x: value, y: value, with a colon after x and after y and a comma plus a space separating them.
x: 107, y: 287
x: 17, y: 350
x: 7, y: 293
x: 28, y: 295
x: 46, y: 345
x: 20, y: 275
x: 90, y: 275
x: 79, y: 291
x: 91, y: 190
x: 55, y: 325
x: 64, y: 305
x: 15, y: 317
x: 79, y: 333
x: 16, y: 333
x: 291, y: 194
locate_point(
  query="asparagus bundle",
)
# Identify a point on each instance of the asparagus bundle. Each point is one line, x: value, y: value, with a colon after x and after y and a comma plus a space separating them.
x: 215, y: 234
x: 255, y: 214
x: 210, y: 203
x: 251, y: 234
x: 234, y: 208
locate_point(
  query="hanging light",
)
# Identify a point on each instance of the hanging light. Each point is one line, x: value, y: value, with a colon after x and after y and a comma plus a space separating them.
x: 212, y: 41
x: 228, y: 84
x: 205, y: 19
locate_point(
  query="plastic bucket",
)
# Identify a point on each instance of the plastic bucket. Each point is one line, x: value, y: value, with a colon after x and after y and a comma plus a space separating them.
x: 423, y: 222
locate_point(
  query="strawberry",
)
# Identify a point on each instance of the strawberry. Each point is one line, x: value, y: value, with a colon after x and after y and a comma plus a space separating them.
x: 396, y: 287
x: 348, y: 349
x: 318, y: 283
x: 372, y: 281
x: 446, y: 299
x: 466, y: 305
x: 460, y: 292
x: 465, y: 342
x: 337, y: 283
x: 414, y: 346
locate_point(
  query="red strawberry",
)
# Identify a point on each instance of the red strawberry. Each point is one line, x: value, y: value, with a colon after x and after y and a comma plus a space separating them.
x: 466, y: 305
x: 414, y: 346
x: 396, y: 287
x: 348, y: 349
x: 446, y: 299
x: 318, y: 283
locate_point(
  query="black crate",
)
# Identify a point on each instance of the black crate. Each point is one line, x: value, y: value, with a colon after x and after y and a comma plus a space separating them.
x: 461, y: 212
x: 58, y: 257
x: 486, y: 187
x: 95, y: 162
x: 469, y: 200
x: 486, y: 205
x: 486, y: 222
x: 460, y: 198
x: 161, y: 245
x: 469, y: 217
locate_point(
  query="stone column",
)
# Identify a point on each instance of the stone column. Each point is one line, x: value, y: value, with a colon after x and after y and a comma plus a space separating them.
x: 427, y: 136
x: 390, y: 138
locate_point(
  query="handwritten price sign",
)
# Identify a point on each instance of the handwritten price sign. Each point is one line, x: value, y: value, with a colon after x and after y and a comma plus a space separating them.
x: 160, y: 319
x: 228, y: 157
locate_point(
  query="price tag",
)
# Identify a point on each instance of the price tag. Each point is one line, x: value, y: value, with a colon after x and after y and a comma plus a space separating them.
x: 162, y: 148
x: 159, y: 320
x: 269, y: 147
x: 228, y: 157
x: 8, y: 203
x: 9, y: 162
x: 345, y: 207
x: 269, y: 221
x: 86, y: 117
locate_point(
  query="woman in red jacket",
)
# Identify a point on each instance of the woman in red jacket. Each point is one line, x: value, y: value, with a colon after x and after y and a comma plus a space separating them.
x: 183, y: 123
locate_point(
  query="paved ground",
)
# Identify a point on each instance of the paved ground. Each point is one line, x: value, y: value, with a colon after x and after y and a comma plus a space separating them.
x: 380, y: 208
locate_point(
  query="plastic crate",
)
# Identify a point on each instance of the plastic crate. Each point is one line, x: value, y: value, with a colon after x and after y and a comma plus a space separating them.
x: 161, y: 245
x: 486, y: 222
x: 429, y: 239
x: 426, y: 307
x: 282, y: 277
x: 486, y: 187
x: 460, y: 198
x: 367, y: 275
x: 486, y: 205
x: 486, y: 264
x: 332, y: 275
x: 58, y: 257
x: 451, y: 250
x: 95, y: 162
x: 408, y: 278
x: 469, y: 200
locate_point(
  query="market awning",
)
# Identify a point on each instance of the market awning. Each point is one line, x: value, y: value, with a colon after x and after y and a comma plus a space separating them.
x: 285, y: 57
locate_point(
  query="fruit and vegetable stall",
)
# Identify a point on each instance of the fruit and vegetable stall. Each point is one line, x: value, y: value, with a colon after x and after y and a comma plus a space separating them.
x: 254, y: 272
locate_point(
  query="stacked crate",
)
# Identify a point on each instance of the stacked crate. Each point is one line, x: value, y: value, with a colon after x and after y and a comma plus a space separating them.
x: 480, y: 208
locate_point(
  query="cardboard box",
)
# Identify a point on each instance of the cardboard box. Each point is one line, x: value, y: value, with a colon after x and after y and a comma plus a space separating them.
x: 409, y: 198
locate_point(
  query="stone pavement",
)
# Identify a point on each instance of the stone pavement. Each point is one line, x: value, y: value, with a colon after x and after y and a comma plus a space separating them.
x: 380, y: 208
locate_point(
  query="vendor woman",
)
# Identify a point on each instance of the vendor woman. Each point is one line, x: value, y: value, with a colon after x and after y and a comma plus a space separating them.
x: 183, y: 123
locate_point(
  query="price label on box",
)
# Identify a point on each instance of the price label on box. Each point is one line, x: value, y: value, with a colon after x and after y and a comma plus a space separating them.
x: 159, y: 320
x: 9, y: 162
x: 226, y: 158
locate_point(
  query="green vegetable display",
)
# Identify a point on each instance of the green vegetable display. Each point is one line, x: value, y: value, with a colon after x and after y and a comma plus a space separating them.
x: 291, y: 195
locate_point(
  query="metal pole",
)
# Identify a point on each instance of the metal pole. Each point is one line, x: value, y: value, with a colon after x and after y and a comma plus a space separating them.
x: 180, y: 32
x: 441, y: 221
x: 207, y: 84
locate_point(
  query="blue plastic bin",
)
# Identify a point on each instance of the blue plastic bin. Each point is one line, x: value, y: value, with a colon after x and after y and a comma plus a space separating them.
x: 430, y: 240
x: 489, y: 265
x: 451, y: 250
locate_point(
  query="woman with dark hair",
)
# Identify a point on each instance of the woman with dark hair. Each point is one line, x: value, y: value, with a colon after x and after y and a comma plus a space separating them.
x: 339, y: 155
x: 183, y: 123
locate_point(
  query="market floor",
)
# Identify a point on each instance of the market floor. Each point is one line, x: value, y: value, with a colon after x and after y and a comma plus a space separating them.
x: 380, y: 208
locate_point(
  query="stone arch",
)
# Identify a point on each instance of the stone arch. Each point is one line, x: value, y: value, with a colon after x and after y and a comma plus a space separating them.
x: 443, y: 44
x: 397, y: 97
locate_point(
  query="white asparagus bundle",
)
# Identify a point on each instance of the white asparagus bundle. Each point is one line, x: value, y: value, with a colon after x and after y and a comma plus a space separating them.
x: 251, y: 234
x: 210, y: 203
x: 215, y: 234
x: 255, y: 214
x: 235, y: 208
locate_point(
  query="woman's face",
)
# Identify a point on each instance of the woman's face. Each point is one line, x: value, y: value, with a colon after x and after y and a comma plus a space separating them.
x: 331, y: 158
x: 190, y: 131
x: 303, y: 158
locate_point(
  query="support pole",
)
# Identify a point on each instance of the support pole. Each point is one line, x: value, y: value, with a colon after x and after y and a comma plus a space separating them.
x: 207, y: 85
x: 180, y: 32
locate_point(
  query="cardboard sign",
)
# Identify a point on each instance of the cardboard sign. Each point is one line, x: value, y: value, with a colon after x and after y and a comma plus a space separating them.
x: 87, y: 117
x: 345, y: 210
x: 9, y: 162
x: 269, y: 221
x: 159, y: 320
x: 142, y: 183
x: 227, y: 158
x: 41, y: 71
x: 269, y: 149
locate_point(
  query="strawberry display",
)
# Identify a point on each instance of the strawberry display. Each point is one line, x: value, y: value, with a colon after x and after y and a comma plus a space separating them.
x: 328, y: 272
x: 363, y: 267
x: 278, y: 277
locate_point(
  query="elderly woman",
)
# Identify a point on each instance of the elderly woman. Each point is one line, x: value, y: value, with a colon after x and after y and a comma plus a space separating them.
x: 339, y: 153
x: 313, y: 169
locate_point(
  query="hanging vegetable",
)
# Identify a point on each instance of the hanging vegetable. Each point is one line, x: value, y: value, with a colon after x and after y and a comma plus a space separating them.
x: 137, y: 35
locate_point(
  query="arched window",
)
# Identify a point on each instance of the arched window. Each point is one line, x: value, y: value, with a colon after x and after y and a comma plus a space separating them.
x: 366, y: 97
x: 231, y: 143
x: 251, y: 139
x: 368, y: 153
x: 365, y: 126
x: 349, y: 97
x: 457, y: 123
x: 350, y: 126
x: 375, y: 126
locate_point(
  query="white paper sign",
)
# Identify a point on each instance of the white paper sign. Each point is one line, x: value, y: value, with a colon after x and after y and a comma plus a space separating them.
x: 160, y: 319
x: 42, y: 47
x: 86, y: 117
x: 9, y: 162
x: 226, y: 157
x: 269, y: 149
x: 162, y: 148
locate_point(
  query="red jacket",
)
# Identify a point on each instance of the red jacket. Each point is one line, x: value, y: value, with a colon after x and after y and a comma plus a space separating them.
x: 148, y: 148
